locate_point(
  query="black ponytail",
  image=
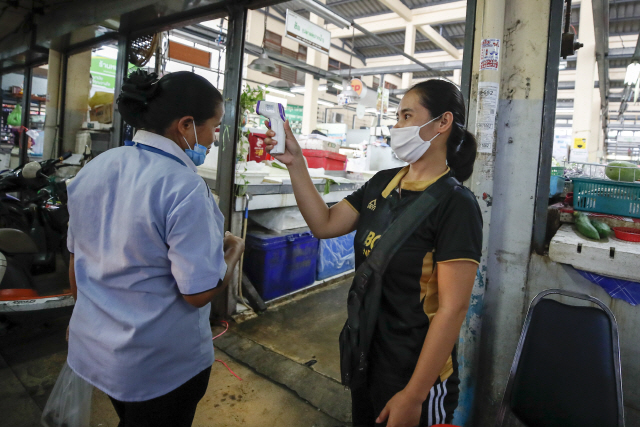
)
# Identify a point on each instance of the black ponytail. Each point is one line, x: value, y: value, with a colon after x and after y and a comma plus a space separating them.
x: 439, y: 96
x: 151, y: 104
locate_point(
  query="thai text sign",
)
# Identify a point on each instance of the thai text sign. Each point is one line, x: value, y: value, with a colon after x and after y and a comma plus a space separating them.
x: 307, y: 33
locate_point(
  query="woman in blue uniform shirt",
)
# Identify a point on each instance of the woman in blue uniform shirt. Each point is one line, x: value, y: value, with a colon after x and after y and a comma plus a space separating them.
x: 413, y: 372
x: 149, y: 253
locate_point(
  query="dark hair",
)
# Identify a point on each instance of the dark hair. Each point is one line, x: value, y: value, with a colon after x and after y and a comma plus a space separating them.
x: 439, y: 96
x: 151, y: 104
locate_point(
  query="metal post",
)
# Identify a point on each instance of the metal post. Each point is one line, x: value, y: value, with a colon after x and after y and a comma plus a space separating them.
x: 467, y: 55
x: 26, y: 113
x: 548, y: 126
x: 229, y: 136
x: 2, y: 123
x: 117, y: 135
x: 229, y: 133
x: 62, y: 103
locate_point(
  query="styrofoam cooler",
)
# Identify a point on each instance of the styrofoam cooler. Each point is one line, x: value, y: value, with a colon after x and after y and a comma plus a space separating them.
x: 280, y: 263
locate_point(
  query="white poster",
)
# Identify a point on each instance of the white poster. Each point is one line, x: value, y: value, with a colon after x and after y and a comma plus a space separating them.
x: 486, y: 115
x: 490, y: 54
x: 307, y: 33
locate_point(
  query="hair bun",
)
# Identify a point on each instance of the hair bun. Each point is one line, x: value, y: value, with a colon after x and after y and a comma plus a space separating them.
x: 140, y: 86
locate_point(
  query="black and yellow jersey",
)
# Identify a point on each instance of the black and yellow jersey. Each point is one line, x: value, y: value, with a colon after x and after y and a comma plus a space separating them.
x: 452, y: 232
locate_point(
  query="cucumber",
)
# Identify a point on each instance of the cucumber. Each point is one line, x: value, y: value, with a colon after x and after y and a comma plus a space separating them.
x: 585, y: 228
x: 603, y: 229
x: 622, y: 171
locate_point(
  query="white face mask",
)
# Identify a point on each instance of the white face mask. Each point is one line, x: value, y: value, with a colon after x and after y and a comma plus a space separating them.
x: 408, y: 145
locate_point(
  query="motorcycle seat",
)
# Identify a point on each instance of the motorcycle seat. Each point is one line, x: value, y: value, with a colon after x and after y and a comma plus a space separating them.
x: 14, y: 241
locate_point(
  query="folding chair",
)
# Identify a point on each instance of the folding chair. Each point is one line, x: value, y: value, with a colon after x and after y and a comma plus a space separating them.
x: 566, y: 370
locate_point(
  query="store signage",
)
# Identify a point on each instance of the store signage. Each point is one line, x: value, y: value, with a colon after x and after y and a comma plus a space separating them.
x: 357, y: 85
x: 307, y: 33
x: 189, y: 55
x: 294, y: 114
x: 103, y: 73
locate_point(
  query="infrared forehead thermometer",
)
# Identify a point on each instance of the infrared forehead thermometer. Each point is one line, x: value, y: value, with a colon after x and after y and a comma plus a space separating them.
x: 275, y: 113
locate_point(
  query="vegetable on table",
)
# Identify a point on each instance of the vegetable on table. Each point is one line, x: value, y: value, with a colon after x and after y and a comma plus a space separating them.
x: 585, y: 227
x: 603, y: 229
x: 623, y: 171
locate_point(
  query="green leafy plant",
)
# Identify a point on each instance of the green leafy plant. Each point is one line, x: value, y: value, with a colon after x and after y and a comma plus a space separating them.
x: 248, y: 100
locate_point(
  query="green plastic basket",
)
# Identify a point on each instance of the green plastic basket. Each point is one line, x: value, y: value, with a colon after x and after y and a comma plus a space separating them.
x: 607, y: 197
x: 557, y: 170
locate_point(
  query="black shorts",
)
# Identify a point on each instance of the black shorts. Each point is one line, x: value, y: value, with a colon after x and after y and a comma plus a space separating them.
x: 367, y: 402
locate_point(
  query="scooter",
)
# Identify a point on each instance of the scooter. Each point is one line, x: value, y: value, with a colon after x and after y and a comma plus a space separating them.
x: 33, y: 228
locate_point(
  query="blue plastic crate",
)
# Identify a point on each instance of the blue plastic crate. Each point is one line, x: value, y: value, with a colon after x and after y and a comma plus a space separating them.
x: 607, y: 197
x: 280, y: 263
x: 335, y: 256
x: 556, y: 185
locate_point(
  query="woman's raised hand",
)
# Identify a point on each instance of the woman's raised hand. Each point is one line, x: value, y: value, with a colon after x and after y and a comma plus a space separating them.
x: 292, y: 152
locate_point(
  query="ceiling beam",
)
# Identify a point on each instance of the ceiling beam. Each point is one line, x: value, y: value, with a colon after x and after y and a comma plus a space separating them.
x: 431, y: 15
x: 399, y: 8
x: 401, y: 68
x: 441, y: 42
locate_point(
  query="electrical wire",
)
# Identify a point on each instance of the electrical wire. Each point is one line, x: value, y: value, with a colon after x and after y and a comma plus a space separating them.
x: 226, y: 324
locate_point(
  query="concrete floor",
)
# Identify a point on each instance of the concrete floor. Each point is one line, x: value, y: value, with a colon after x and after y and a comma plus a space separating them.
x: 295, y: 343
x: 305, y: 329
x: 32, y: 354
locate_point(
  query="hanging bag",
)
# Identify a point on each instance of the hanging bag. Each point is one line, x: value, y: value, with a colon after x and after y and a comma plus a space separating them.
x: 363, y: 301
x: 69, y: 404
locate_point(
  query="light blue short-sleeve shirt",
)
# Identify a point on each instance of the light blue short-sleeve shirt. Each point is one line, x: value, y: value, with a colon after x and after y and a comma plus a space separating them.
x: 145, y: 230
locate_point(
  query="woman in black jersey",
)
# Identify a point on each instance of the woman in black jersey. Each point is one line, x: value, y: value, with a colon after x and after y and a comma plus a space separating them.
x: 413, y: 373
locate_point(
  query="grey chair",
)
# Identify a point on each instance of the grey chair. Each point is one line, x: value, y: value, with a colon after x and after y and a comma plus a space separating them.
x: 566, y: 370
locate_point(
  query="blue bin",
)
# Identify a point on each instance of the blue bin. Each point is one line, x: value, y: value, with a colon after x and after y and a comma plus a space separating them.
x: 280, y: 263
x: 336, y: 256
x: 556, y: 185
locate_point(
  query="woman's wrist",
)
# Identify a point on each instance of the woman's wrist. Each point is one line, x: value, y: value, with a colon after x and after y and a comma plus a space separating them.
x: 297, y: 163
x: 416, y: 392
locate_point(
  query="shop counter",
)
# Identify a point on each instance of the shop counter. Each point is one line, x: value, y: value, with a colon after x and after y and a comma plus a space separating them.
x: 269, y: 196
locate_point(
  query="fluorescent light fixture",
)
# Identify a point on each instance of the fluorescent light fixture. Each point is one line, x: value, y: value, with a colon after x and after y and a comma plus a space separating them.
x: 326, y: 13
x: 327, y: 103
x: 337, y: 86
x: 300, y: 89
x: 278, y: 91
x: 563, y: 65
x: 633, y: 73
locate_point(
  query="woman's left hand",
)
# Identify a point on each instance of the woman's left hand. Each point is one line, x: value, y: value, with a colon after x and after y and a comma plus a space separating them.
x: 403, y: 410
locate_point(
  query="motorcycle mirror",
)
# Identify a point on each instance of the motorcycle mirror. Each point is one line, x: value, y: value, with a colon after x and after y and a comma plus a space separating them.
x: 31, y: 170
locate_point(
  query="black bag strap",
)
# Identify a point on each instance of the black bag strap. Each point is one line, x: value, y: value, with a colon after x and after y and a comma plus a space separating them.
x: 403, y: 226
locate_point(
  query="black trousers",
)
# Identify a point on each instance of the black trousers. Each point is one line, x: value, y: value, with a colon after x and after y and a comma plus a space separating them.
x: 174, y: 409
x: 367, y: 402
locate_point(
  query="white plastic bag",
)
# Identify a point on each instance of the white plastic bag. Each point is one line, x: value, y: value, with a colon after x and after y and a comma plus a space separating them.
x: 69, y: 404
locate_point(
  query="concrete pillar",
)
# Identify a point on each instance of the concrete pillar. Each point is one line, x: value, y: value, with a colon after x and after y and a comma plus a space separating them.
x: 51, y: 120
x: 457, y: 77
x: 409, y: 49
x: 310, y: 103
x: 77, y: 97
x: 513, y: 175
x: 583, y: 104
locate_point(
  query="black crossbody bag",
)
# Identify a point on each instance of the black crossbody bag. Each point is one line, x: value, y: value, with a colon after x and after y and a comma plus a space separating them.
x: 363, y: 302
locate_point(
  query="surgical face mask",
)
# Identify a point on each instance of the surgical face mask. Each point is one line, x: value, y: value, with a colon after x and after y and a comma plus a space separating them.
x: 408, y: 145
x: 199, y: 152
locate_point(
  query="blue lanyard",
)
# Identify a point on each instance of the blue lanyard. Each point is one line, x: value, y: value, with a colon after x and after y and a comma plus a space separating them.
x: 158, y: 151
